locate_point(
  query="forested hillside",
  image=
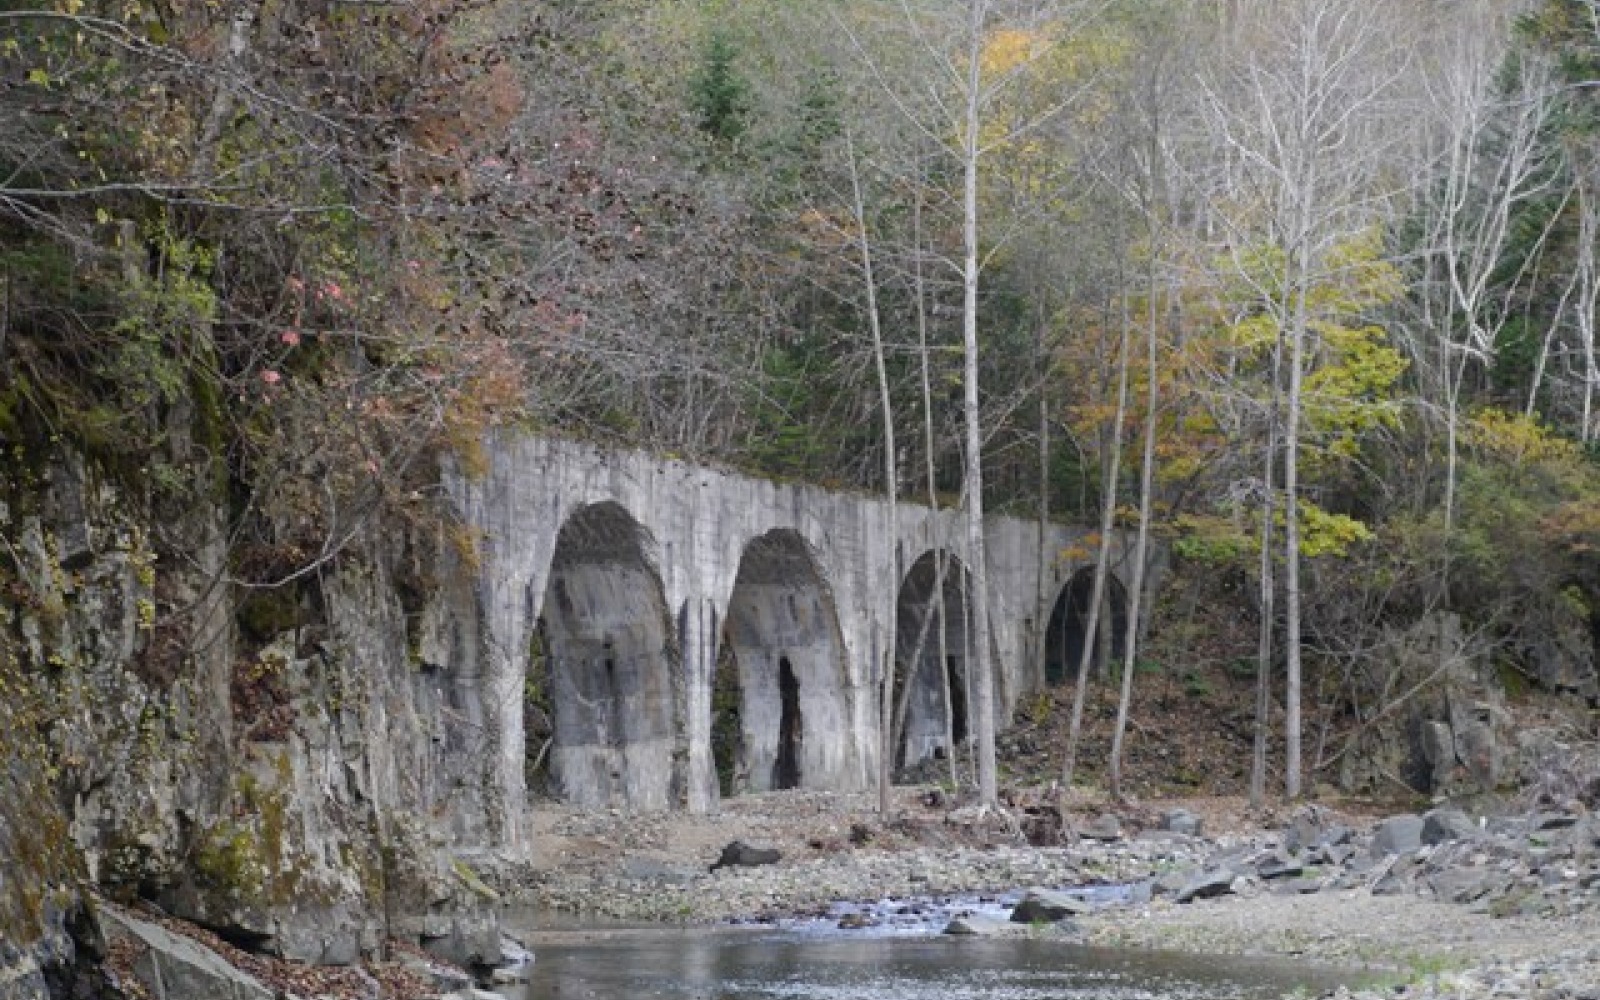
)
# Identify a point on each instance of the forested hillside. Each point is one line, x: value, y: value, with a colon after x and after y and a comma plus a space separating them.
x: 1310, y: 288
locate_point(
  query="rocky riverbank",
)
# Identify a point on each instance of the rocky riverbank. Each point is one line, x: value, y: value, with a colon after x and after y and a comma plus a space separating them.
x: 1438, y: 905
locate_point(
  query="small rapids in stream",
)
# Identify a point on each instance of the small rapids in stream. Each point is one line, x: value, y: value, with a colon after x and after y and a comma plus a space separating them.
x: 895, y: 952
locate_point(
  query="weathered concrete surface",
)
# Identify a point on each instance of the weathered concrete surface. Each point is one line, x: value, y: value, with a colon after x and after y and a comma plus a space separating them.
x: 645, y: 554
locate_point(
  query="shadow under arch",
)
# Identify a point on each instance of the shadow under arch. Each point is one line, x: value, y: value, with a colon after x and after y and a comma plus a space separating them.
x: 932, y: 651
x: 1067, y: 632
x: 604, y: 664
x: 780, y: 705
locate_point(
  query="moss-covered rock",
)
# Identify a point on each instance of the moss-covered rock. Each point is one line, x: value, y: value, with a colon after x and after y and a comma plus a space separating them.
x: 44, y: 937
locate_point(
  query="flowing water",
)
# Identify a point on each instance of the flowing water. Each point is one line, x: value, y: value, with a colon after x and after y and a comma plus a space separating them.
x: 902, y: 958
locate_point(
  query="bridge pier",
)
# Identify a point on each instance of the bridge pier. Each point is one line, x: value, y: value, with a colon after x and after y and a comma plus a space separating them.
x: 640, y: 572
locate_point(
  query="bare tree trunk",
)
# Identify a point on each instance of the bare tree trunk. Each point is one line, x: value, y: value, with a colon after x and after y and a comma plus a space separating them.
x: 1141, y: 549
x: 1041, y: 612
x: 914, y: 662
x: 981, y: 668
x: 1291, y: 511
x: 891, y: 491
x: 1108, y: 510
x: 940, y: 559
x: 1588, y: 292
x: 1268, y: 591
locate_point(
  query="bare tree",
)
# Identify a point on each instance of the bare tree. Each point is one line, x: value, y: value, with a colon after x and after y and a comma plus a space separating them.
x: 890, y: 485
x: 1094, y: 627
x: 1304, y: 113
x: 1486, y: 159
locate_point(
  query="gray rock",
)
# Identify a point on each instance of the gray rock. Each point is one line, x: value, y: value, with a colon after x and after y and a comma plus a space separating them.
x: 446, y: 979
x: 1299, y: 886
x: 1397, y: 835
x: 178, y: 968
x: 1392, y: 885
x: 1248, y: 886
x: 1105, y: 827
x: 1278, y: 867
x: 1047, y: 906
x: 974, y: 925
x: 1440, y: 826
x: 1461, y: 885
x: 1205, y: 886
x: 1181, y: 821
x: 1552, y: 821
x: 651, y: 870
x: 739, y: 854
x: 1170, y: 883
x: 1476, y: 746
x: 1439, y: 752
x: 1311, y: 828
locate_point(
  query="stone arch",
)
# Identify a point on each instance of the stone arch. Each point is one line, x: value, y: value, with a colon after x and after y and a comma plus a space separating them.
x: 1066, y: 633
x: 780, y: 704
x: 605, y: 647
x: 938, y: 597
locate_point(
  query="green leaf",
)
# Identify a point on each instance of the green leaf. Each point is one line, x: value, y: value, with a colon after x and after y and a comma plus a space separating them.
x: 39, y: 76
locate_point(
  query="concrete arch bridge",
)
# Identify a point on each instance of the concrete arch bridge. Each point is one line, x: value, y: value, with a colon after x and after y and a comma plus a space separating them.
x: 653, y: 634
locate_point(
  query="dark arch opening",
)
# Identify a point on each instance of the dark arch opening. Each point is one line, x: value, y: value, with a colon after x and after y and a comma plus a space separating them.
x: 780, y: 685
x: 931, y: 654
x: 727, y: 724
x: 786, y: 769
x: 1068, y: 629
x: 610, y: 658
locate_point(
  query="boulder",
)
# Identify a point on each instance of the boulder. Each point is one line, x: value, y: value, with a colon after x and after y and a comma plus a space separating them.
x: 1047, y: 906
x: 518, y: 963
x: 1278, y: 867
x: 1307, y: 829
x: 739, y: 854
x: 1552, y: 821
x: 1462, y: 885
x: 1105, y: 827
x: 1397, y: 835
x: 173, y: 967
x: 1170, y: 883
x: 1298, y: 886
x: 1477, y: 747
x: 1440, y: 826
x: 975, y: 925
x: 1205, y: 886
x: 1247, y: 886
x: 1181, y: 821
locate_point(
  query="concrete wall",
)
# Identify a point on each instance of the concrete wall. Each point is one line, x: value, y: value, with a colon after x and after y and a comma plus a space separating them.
x: 660, y: 558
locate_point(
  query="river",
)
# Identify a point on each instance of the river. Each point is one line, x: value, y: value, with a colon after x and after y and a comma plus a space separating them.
x: 904, y: 960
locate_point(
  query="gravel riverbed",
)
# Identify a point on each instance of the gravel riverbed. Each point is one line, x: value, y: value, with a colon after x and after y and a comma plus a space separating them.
x: 1352, y: 907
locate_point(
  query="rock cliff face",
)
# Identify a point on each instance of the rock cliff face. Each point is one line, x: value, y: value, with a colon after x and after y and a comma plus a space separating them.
x: 273, y: 764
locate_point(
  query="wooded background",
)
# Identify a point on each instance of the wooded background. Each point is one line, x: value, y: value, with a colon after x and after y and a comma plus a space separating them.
x: 1303, y: 290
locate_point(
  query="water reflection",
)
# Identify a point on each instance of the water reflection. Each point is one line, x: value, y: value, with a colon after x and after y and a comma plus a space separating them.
x: 732, y: 965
